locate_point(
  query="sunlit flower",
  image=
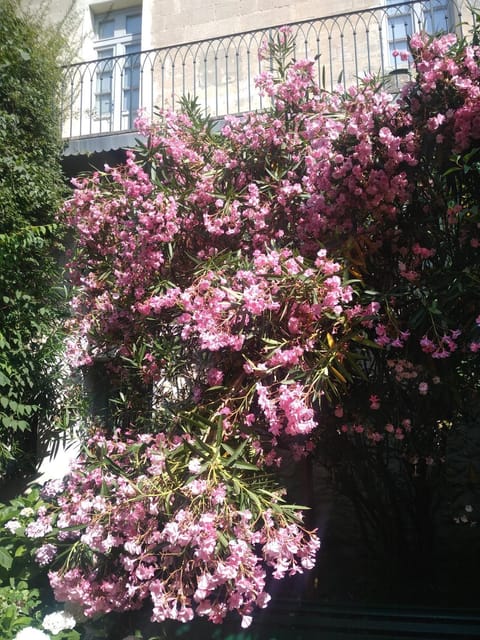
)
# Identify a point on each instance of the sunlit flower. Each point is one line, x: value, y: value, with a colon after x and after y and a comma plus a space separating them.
x: 13, y: 525
x: 29, y: 633
x: 58, y: 621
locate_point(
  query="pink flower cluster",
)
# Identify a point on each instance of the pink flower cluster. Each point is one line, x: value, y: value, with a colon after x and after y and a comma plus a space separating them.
x: 312, y: 270
x: 151, y: 536
x: 288, y: 411
x: 446, y: 68
x: 222, y: 307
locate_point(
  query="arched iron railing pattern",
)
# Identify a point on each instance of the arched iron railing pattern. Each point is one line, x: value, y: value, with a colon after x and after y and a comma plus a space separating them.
x: 221, y: 72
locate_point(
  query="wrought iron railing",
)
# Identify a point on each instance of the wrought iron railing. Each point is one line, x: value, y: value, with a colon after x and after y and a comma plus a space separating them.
x: 102, y: 96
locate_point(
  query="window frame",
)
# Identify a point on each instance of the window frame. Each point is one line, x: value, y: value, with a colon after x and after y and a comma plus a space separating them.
x: 121, y: 66
x: 423, y: 12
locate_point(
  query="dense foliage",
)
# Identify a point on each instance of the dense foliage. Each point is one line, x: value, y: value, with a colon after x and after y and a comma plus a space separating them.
x: 23, y: 606
x: 30, y: 193
x: 304, y: 283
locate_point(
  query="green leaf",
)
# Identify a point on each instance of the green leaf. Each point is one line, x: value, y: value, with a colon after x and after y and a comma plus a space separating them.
x: 255, y: 499
x: 6, y: 559
x: 237, y: 453
x: 9, y: 613
x: 20, y: 551
x: 7, y: 421
x: 228, y: 448
x: 246, y: 466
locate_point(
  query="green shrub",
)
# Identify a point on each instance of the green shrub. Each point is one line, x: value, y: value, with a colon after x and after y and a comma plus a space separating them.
x: 31, y: 187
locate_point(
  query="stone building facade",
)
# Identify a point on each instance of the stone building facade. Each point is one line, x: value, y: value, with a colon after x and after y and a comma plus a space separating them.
x: 146, y: 54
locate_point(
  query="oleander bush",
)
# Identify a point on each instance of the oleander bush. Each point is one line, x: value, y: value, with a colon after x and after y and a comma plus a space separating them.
x: 302, y: 285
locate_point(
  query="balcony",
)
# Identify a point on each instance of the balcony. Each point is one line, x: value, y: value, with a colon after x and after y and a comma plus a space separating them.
x: 102, y: 97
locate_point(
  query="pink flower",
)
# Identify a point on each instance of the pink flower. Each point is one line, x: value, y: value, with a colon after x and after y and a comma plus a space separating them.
x: 293, y: 402
x: 45, y: 554
x: 39, y: 527
x: 434, y: 122
x: 427, y: 345
x: 195, y: 465
x: 214, y: 377
x: 423, y: 388
x: 196, y: 487
x: 219, y: 494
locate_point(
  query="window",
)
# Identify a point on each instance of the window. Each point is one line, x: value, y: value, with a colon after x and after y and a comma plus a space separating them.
x: 437, y: 17
x: 400, y: 27
x: 117, y: 83
x: 131, y: 80
x: 406, y: 18
x: 103, y: 93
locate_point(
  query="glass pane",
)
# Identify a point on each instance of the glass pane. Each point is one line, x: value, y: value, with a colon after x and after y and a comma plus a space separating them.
x: 436, y: 20
x: 134, y: 47
x: 130, y: 101
x: 399, y: 27
x: 106, y: 29
x: 104, y: 54
x: 103, y: 105
x: 398, y: 45
x: 105, y: 69
x: 104, y: 83
x: 132, y: 58
x: 132, y: 65
x: 134, y: 24
x: 131, y: 80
